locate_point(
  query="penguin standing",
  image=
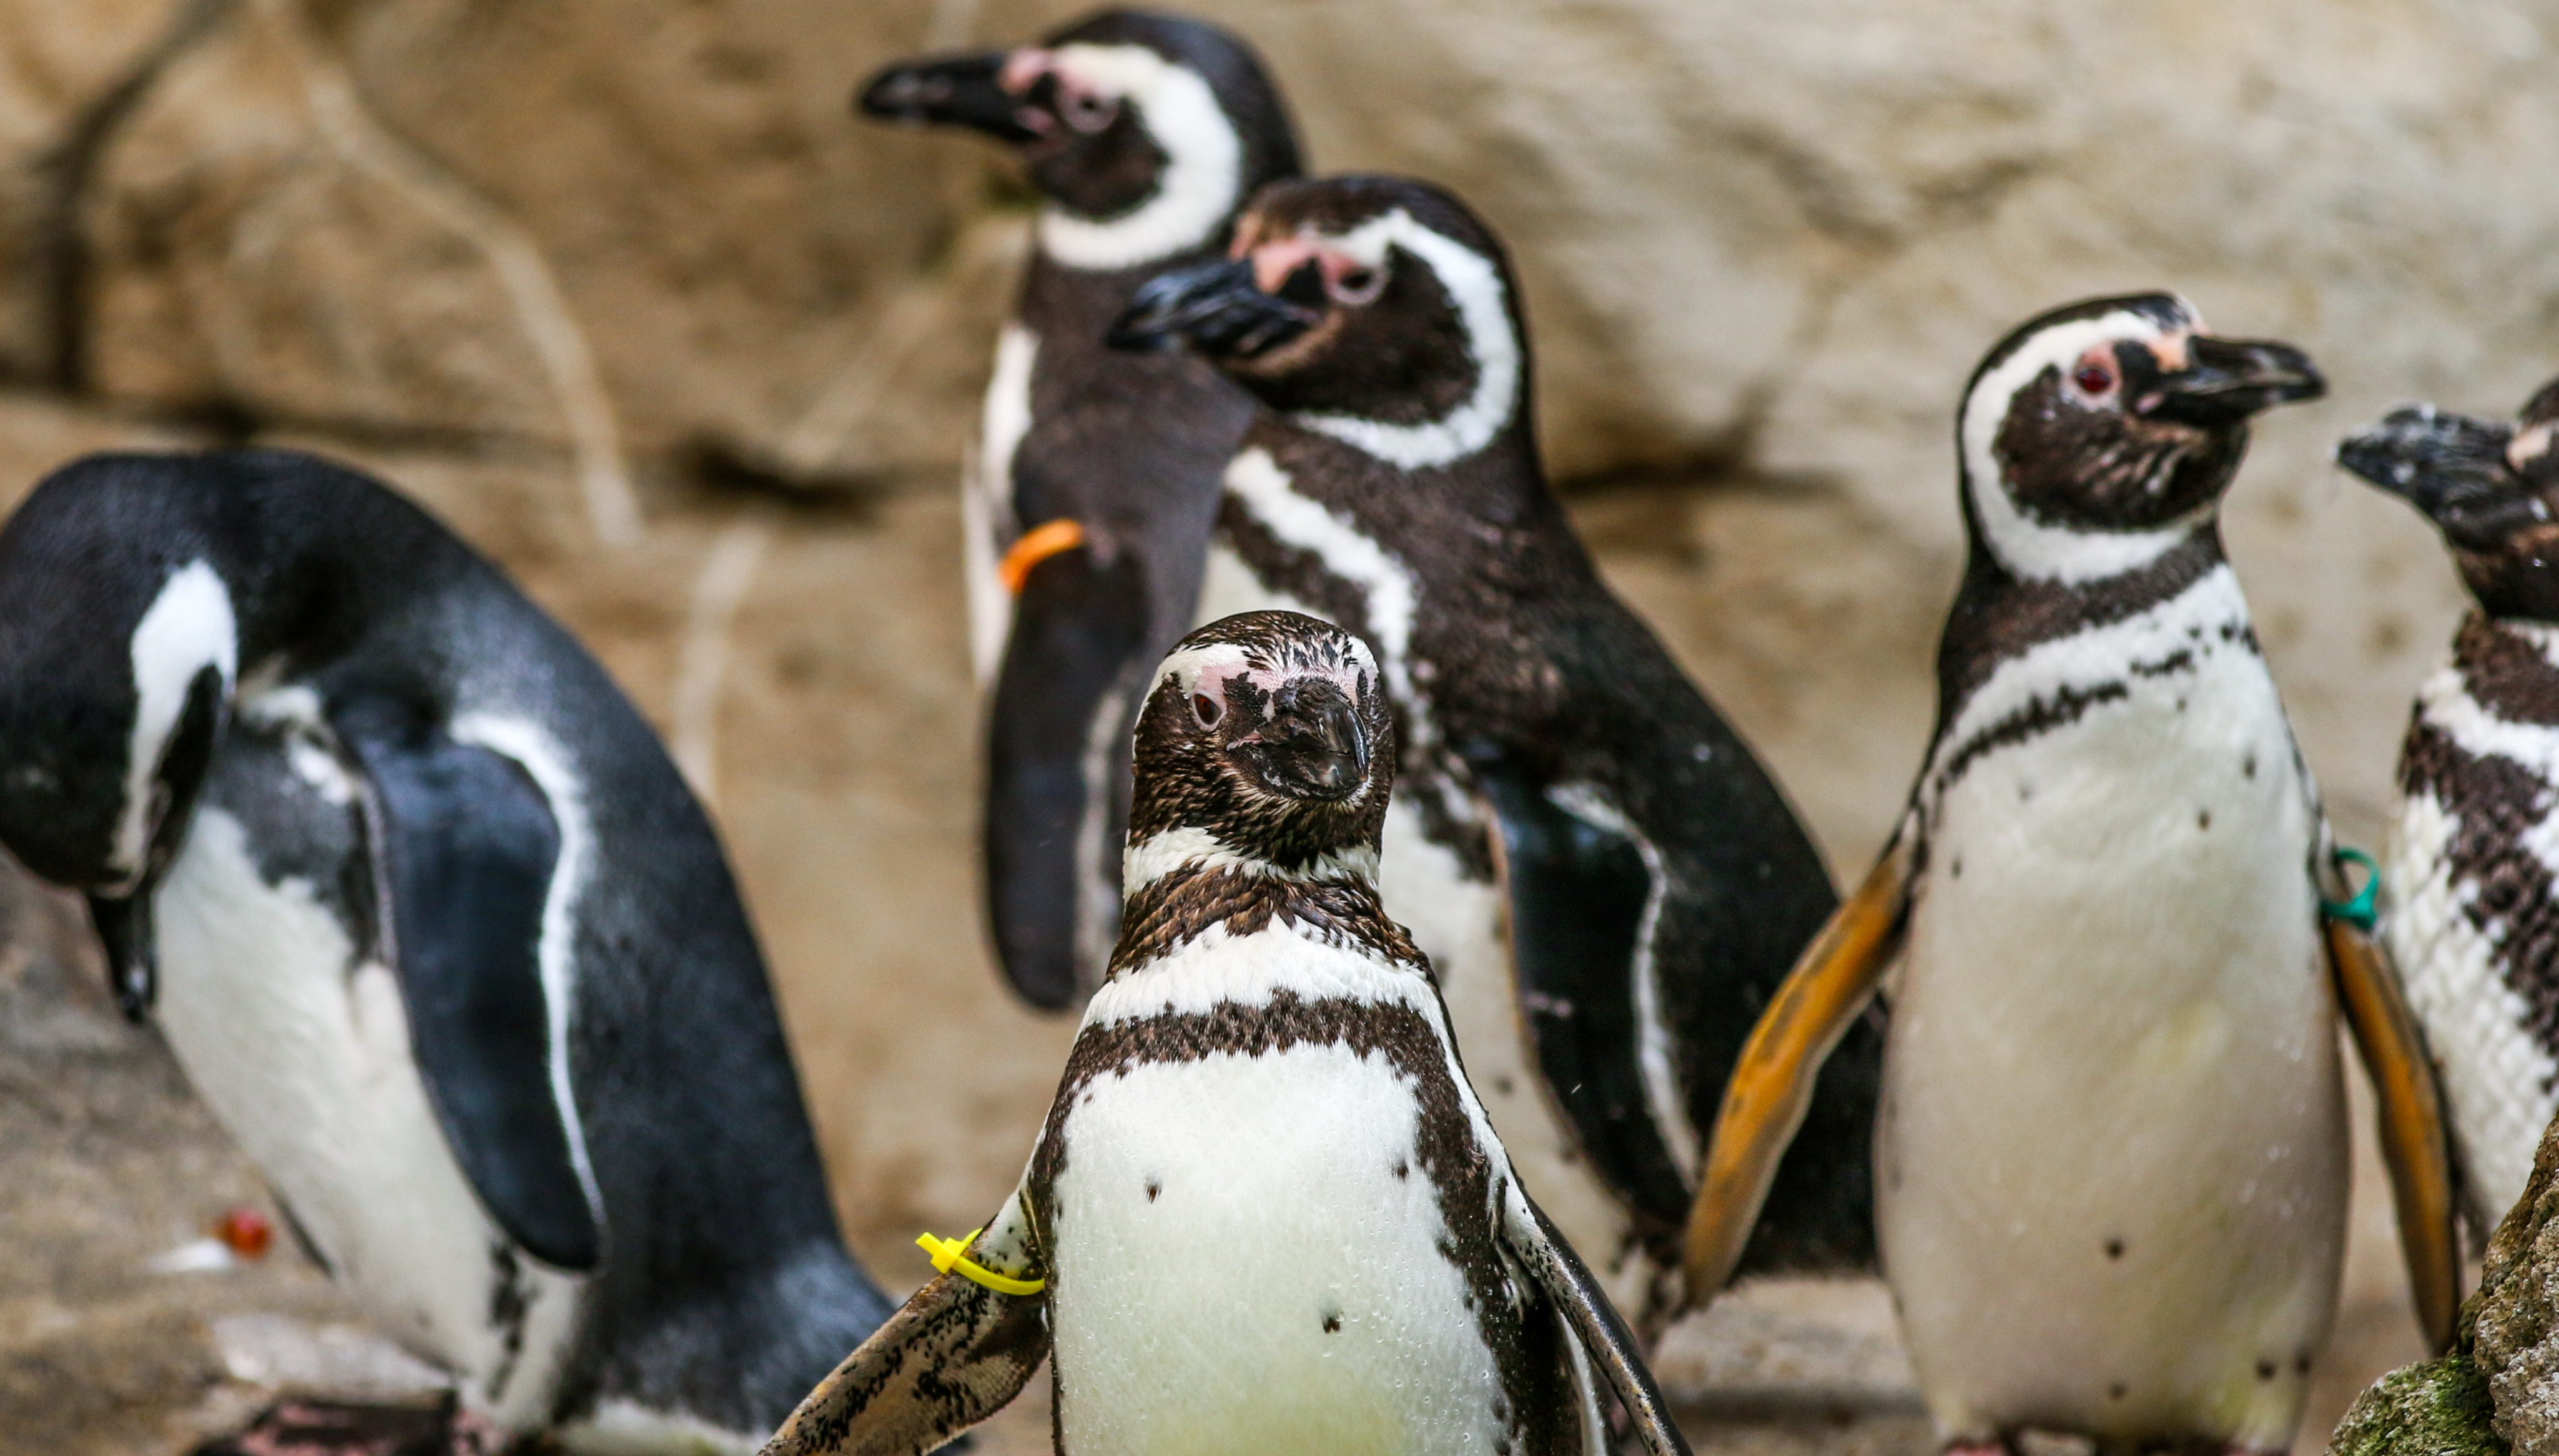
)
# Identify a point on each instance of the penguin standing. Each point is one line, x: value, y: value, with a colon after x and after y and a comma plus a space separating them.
x: 437, y: 931
x: 2111, y: 1184
x: 1089, y: 510
x: 2471, y: 916
x: 1266, y: 1210
x: 1607, y: 882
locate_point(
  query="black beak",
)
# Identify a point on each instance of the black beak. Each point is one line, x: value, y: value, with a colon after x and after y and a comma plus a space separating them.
x: 2451, y: 467
x: 953, y: 90
x: 1312, y: 744
x: 1216, y: 308
x: 2226, y: 381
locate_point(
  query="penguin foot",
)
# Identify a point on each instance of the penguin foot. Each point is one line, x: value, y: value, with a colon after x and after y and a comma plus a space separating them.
x: 1991, y: 1446
x: 308, y: 1427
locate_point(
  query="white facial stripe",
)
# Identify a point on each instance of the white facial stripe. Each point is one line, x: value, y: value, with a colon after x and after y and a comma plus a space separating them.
x: 1475, y: 286
x: 2027, y: 547
x: 1190, y: 848
x: 189, y: 626
x: 541, y: 759
x: 1207, y: 669
x: 1203, y: 162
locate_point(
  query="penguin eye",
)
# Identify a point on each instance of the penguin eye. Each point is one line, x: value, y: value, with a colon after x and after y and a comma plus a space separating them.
x: 1207, y: 709
x: 1355, y: 285
x: 2093, y: 377
x: 1088, y: 111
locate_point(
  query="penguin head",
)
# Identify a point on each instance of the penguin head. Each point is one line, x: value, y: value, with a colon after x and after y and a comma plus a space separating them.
x: 2095, y: 437
x: 1143, y: 132
x: 1269, y: 732
x: 2491, y: 488
x: 1373, y: 309
x: 119, y: 648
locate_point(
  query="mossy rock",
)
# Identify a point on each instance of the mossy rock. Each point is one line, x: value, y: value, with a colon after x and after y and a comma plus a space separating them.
x: 2438, y: 1407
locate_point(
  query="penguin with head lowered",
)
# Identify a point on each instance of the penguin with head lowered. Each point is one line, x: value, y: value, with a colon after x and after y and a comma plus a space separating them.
x: 435, y: 929
x: 2471, y: 918
x: 1095, y: 479
x: 1606, y: 879
x: 2111, y: 1162
x: 1267, y: 1211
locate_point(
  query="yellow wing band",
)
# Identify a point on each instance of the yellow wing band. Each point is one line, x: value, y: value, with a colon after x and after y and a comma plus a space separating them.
x: 948, y: 1255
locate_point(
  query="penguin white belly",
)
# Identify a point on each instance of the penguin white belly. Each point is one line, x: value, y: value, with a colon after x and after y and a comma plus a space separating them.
x: 1462, y: 924
x: 986, y: 524
x: 1246, y: 1259
x: 2112, y: 1158
x: 301, y: 1049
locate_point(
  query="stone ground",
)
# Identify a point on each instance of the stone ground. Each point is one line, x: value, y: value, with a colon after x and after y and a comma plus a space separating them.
x: 805, y: 657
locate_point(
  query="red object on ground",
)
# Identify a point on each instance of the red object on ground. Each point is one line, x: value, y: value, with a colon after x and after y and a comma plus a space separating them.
x: 245, y: 1232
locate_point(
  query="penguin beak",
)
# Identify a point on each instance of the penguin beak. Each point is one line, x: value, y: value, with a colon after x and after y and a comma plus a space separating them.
x: 1312, y: 744
x: 1216, y: 308
x: 953, y: 90
x: 2226, y: 381
x: 2451, y: 467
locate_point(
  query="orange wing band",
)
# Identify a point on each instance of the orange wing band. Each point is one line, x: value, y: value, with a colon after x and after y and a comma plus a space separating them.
x: 1036, y: 545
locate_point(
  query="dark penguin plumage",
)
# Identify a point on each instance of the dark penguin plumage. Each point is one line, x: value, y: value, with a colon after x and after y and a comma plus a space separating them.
x: 435, y: 929
x: 1097, y: 478
x: 1607, y: 881
x: 1266, y: 1202
x: 2472, y: 915
x: 2112, y: 1156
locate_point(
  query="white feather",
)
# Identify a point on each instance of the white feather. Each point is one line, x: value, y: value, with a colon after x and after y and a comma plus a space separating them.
x: 987, y: 498
x: 188, y: 627
x: 1192, y: 847
x: 1203, y: 162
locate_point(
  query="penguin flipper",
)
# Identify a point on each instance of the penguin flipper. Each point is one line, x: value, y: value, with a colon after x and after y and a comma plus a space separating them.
x: 955, y: 1353
x: 1580, y: 889
x: 2415, y: 1138
x: 1592, y: 1321
x: 1772, y: 1082
x: 1057, y: 748
x: 468, y: 847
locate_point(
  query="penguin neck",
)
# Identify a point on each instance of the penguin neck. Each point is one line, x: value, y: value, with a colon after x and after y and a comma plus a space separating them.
x: 1185, y: 883
x: 2509, y: 667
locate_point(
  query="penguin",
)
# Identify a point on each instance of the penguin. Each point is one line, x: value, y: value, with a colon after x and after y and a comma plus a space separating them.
x: 434, y: 928
x: 1088, y: 508
x: 2467, y: 893
x: 2112, y: 1168
x: 1608, y: 882
x: 1266, y: 1209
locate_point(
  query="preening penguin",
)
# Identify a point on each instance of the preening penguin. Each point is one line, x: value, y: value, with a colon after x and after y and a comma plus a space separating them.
x: 1266, y: 1210
x: 2111, y: 1182
x: 435, y: 929
x: 1096, y: 481
x: 1606, y: 879
x: 2469, y: 908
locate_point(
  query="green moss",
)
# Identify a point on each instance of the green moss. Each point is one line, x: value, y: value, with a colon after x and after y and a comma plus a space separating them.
x: 2439, y: 1408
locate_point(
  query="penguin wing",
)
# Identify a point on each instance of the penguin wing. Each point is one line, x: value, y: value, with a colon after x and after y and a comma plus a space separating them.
x: 1592, y: 1322
x: 467, y: 848
x: 2409, y: 1103
x: 1772, y: 1082
x: 1580, y: 889
x: 1057, y: 758
x: 953, y: 1355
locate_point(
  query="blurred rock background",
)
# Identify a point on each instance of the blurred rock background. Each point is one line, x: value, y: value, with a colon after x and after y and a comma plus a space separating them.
x: 620, y: 290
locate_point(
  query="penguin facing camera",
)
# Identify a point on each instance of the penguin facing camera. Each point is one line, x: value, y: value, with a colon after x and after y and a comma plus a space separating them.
x: 1607, y: 881
x: 1265, y: 1200
x: 434, y: 928
x: 2111, y: 1161
x: 2470, y: 912
x: 1087, y: 514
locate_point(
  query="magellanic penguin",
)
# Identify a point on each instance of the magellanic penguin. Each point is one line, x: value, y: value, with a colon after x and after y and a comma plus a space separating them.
x: 2110, y: 1181
x: 1606, y: 880
x: 2471, y: 915
x: 1265, y: 1212
x: 435, y: 929
x: 1089, y: 504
